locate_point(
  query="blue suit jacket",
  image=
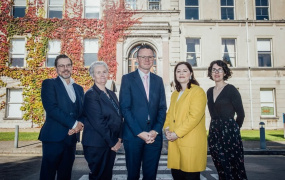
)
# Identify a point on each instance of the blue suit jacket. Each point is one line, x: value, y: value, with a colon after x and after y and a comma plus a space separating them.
x: 58, y: 107
x: 103, y: 124
x: 135, y: 107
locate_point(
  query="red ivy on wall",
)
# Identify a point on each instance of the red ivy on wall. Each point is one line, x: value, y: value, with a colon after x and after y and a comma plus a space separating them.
x: 71, y: 30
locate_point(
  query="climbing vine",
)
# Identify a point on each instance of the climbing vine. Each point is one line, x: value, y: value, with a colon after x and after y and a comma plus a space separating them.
x: 71, y: 30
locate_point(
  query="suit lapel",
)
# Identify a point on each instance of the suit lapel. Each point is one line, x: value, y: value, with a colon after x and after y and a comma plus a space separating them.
x: 79, y: 98
x: 180, y: 100
x: 113, y: 97
x: 152, y: 87
x: 139, y: 82
x: 62, y: 88
x: 104, y: 97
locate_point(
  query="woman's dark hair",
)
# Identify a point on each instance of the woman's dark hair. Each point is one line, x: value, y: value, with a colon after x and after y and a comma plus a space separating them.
x: 226, y: 69
x: 192, y: 80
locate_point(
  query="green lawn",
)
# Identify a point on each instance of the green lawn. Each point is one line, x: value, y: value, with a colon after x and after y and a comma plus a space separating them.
x: 23, y: 136
x: 247, y: 135
x: 270, y: 135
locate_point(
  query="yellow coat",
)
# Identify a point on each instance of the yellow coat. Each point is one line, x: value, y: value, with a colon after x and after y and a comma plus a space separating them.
x: 186, y: 117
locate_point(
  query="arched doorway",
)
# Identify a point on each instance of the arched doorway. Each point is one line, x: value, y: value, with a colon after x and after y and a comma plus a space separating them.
x: 132, y: 60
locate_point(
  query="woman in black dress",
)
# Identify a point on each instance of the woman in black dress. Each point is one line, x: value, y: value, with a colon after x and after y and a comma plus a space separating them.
x: 224, y: 137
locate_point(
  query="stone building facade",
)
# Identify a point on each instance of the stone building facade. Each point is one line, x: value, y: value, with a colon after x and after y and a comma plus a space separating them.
x: 248, y: 34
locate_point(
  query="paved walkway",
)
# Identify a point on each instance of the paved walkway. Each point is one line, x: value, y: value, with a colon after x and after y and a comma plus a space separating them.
x: 35, y: 148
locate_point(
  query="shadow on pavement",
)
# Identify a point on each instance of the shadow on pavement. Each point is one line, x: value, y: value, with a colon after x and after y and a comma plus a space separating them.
x: 25, y: 168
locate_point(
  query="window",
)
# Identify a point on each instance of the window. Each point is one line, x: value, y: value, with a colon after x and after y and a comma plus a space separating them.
x: 17, y: 52
x: 227, y: 9
x: 90, y: 51
x: 92, y: 9
x: 154, y: 4
x: 131, y: 4
x: 262, y: 8
x: 55, y: 9
x: 264, y: 52
x: 19, y: 8
x: 193, y: 51
x: 191, y: 9
x: 53, y: 51
x: 14, y: 103
x: 229, y: 51
x: 267, y: 102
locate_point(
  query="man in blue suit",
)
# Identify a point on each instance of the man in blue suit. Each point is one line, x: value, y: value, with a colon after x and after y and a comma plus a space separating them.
x: 62, y: 100
x: 143, y: 106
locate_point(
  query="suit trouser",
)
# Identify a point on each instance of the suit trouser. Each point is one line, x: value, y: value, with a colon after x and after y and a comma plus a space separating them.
x: 100, y: 161
x: 139, y: 153
x: 58, y: 158
x: 181, y: 175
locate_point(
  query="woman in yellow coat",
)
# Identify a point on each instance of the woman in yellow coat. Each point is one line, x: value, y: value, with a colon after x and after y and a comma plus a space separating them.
x: 185, y: 126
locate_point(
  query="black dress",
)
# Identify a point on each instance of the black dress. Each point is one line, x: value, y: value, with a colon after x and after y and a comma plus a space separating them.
x: 224, y: 138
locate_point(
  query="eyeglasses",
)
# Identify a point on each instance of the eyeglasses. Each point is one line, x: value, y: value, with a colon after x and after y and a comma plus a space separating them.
x: 62, y: 66
x: 217, y: 70
x: 150, y: 58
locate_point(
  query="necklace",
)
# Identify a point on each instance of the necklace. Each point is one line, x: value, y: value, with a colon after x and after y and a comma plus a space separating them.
x: 218, y: 89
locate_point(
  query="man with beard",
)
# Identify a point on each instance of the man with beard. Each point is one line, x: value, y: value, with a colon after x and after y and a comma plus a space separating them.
x: 62, y: 100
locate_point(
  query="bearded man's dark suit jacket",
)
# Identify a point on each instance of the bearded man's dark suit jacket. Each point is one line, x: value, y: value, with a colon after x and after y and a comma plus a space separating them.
x: 141, y: 115
x: 61, y: 115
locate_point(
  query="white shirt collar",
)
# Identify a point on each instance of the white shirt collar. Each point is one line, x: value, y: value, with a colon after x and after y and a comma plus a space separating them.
x: 142, y: 73
x: 69, y: 88
x: 64, y: 82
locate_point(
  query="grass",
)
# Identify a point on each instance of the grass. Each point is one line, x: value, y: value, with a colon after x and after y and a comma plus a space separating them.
x: 23, y: 136
x: 270, y: 135
x: 247, y: 135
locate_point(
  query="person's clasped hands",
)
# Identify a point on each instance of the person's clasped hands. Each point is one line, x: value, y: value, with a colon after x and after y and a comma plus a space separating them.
x: 148, y: 137
x: 77, y: 129
x: 170, y: 135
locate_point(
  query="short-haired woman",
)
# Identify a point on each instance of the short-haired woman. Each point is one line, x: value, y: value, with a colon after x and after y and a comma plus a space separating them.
x: 225, y: 145
x: 102, y: 131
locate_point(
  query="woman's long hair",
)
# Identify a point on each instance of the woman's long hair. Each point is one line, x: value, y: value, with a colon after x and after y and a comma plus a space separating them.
x: 192, y: 80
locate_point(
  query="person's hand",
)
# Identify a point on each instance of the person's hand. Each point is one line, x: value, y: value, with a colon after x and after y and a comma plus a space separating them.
x: 166, y: 131
x: 153, y: 135
x: 71, y: 131
x: 79, y: 127
x: 117, y: 145
x: 146, y: 137
x: 171, y: 136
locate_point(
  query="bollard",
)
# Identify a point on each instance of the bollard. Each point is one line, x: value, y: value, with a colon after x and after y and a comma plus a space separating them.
x: 284, y: 124
x: 262, y: 135
x: 16, y: 140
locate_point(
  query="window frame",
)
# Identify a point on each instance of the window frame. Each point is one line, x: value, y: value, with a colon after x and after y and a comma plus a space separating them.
x: 8, y: 92
x: 193, y: 6
x: 131, y: 4
x: 153, y: 2
x: 197, y: 54
x: 264, y: 52
x: 84, y: 52
x: 14, y: 5
x: 258, y: 7
x: 11, y: 53
x: 235, y: 50
x: 228, y: 6
x: 84, y: 9
x: 273, y: 90
x: 52, y: 53
x: 49, y: 6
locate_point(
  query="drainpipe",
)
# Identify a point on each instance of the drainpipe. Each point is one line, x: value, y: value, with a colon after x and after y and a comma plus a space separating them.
x: 248, y: 63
